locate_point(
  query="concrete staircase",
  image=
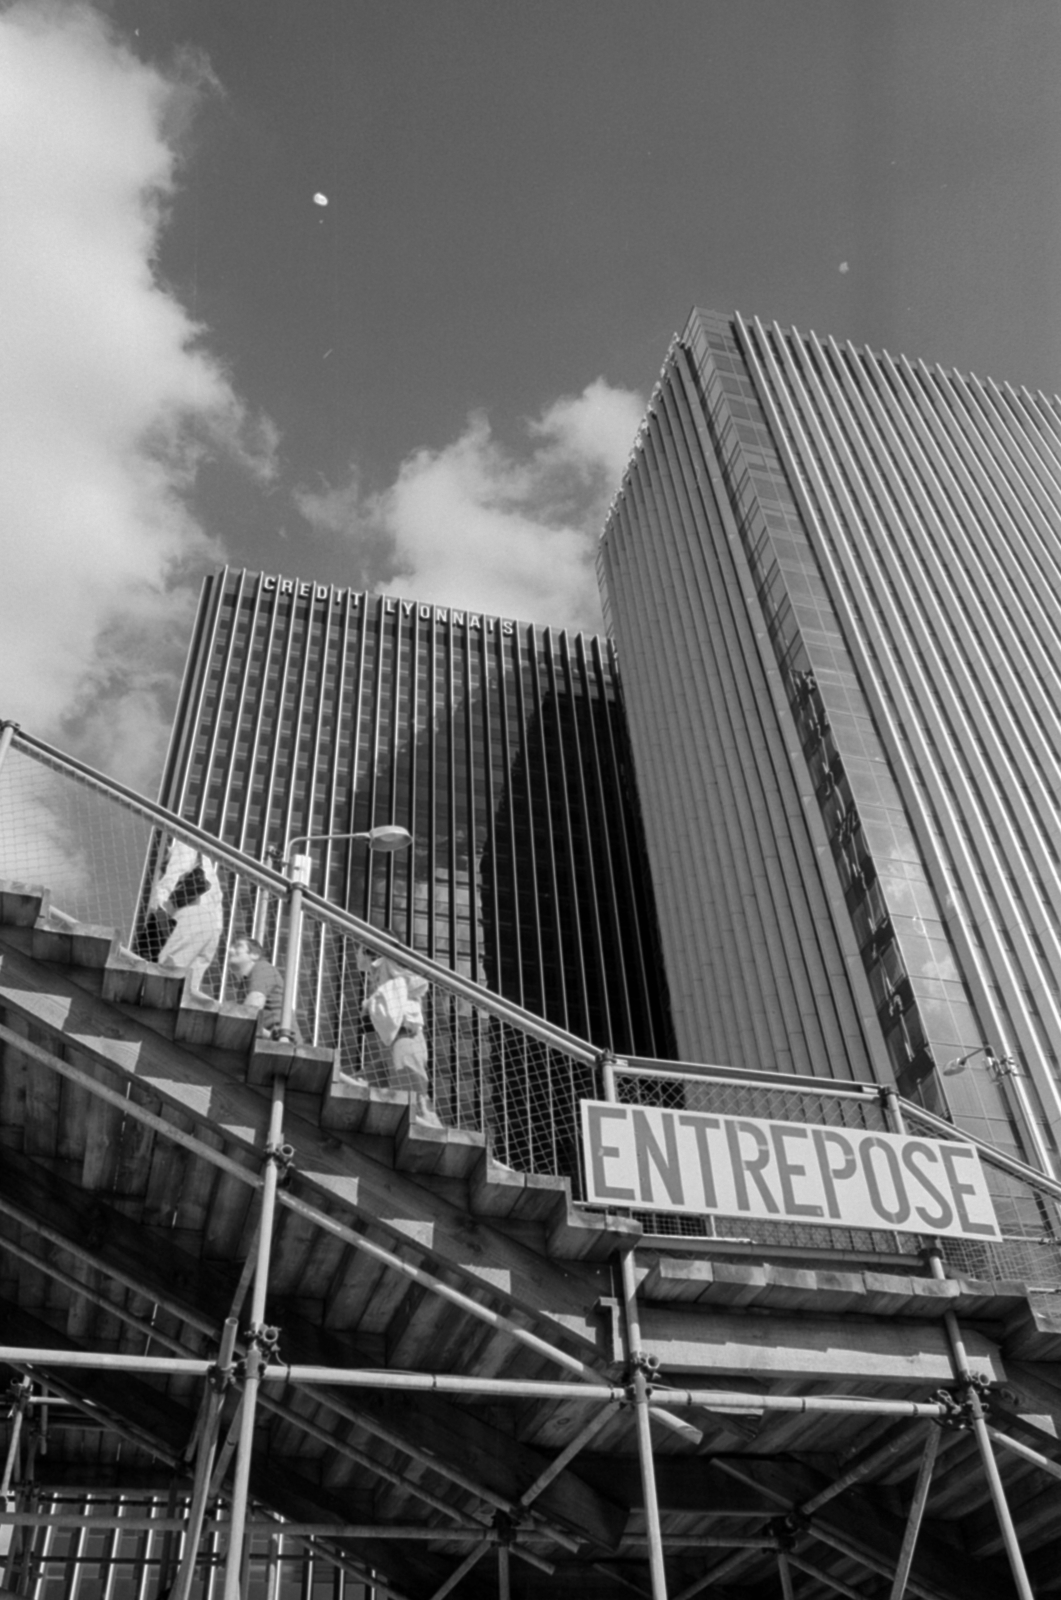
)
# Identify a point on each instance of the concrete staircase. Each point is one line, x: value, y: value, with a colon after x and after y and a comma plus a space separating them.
x: 456, y: 1163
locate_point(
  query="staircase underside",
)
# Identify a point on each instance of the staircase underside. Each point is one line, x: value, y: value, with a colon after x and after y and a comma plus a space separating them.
x: 115, y: 1238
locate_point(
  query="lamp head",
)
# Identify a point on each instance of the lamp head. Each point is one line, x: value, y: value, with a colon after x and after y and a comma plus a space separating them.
x: 389, y: 837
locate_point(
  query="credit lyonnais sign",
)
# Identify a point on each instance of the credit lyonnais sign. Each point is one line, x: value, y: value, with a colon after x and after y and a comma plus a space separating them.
x: 659, y: 1160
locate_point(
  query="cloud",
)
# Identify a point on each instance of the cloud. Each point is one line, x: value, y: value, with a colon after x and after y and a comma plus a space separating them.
x: 503, y: 529
x: 109, y: 398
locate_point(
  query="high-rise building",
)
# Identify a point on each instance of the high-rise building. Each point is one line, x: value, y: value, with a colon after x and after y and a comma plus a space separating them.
x: 834, y: 581
x: 501, y: 746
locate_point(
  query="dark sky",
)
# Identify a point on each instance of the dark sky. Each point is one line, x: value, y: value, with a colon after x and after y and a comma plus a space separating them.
x: 526, y: 196
x: 433, y: 381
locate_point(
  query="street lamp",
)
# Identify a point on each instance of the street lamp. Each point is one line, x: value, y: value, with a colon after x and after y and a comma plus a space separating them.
x: 998, y: 1066
x: 388, y: 837
x: 1006, y: 1073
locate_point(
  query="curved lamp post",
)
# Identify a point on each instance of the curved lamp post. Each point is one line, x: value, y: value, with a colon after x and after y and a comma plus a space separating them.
x: 388, y: 837
x: 1005, y: 1072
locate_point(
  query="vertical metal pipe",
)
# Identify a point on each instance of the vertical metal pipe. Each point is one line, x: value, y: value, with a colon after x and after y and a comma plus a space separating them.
x: 204, y: 1465
x: 784, y: 1572
x: 960, y: 1362
x: 893, y: 1109
x: 272, y: 1568
x: 639, y: 1383
x: 241, y: 1483
x: 7, y: 733
x: 300, y: 866
x: 504, y: 1587
x: 18, y: 1411
x: 644, y: 1433
x: 917, y: 1511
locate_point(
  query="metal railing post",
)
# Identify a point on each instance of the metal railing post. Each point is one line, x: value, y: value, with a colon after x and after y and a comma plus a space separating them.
x: 962, y: 1373
x: 18, y: 1412
x: 639, y: 1386
x: 7, y: 733
x: 300, y: 867
x: 244, y: 1449
x: 637, y: 1378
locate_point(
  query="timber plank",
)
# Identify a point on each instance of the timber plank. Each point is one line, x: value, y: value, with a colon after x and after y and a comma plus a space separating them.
x: 43, y: 1098
x: 784, y: 1346
x: 146, y: 1254
x: 103, y: 1137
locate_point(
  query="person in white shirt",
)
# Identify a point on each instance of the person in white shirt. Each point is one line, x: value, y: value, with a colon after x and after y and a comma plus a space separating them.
x: 188, y: 890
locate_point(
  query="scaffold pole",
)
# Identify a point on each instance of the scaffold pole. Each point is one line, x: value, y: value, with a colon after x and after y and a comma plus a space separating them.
x: 254, y: 1361
x: 963, y: 1376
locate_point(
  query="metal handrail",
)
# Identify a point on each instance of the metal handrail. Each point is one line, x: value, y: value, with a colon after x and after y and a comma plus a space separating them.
x: 324, y: 910
x: 150, y: 810
x: 462, y: 988
x: 1017, y: 1169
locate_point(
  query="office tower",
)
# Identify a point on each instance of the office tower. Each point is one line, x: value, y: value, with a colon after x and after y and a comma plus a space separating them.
x: 501, y: 746
x: 834, y: 579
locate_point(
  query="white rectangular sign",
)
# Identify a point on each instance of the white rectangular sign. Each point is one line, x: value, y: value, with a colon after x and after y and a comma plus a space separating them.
x: 659, y: 1160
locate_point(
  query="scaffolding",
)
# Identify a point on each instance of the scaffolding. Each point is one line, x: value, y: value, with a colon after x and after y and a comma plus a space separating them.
x: 508, y: 1083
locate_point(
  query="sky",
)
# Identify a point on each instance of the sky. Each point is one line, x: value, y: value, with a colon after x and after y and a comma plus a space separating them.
x: 429, y: 384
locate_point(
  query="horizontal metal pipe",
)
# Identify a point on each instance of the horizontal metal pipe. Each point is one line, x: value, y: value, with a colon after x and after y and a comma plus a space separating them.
x: 149, y: 810
x: 292, y: 1530
x: 500, y: 1388
x: 704, y: 1541
x: 802, y: 1083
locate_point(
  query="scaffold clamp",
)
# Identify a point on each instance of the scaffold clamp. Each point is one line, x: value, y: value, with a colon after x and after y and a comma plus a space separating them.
x: 283, y: 1157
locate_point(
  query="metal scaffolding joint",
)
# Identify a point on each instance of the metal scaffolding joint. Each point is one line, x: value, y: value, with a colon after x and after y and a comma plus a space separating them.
x: 266, y: 1340
x: 283, y: 1158
x: 506, y: 1525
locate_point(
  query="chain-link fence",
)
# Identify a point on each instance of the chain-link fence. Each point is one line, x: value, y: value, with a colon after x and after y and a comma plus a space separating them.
x: 178, y: 899
x: 736, y: 1098
x: 1028, y: 1216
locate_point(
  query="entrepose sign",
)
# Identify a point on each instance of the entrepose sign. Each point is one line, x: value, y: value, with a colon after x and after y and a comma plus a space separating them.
x: 644, y: 1156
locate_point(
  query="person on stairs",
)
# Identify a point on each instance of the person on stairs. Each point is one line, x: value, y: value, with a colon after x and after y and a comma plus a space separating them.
x: 393, y: 1005
x: 187, y: 905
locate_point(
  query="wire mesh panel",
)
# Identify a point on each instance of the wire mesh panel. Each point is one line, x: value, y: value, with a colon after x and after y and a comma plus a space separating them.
x: 1029, y: 1251
x: 113, y: 861
x: 485, y: 1074
x: 73, y: 839
x: 116, y: 862
x: 106, y: 864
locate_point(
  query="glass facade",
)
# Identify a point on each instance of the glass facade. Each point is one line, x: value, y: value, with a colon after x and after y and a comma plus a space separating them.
x: 865, y: 556
x: 500, y: 746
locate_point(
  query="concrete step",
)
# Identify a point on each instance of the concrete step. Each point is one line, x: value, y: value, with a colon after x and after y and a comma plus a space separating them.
x: 21, y: 904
